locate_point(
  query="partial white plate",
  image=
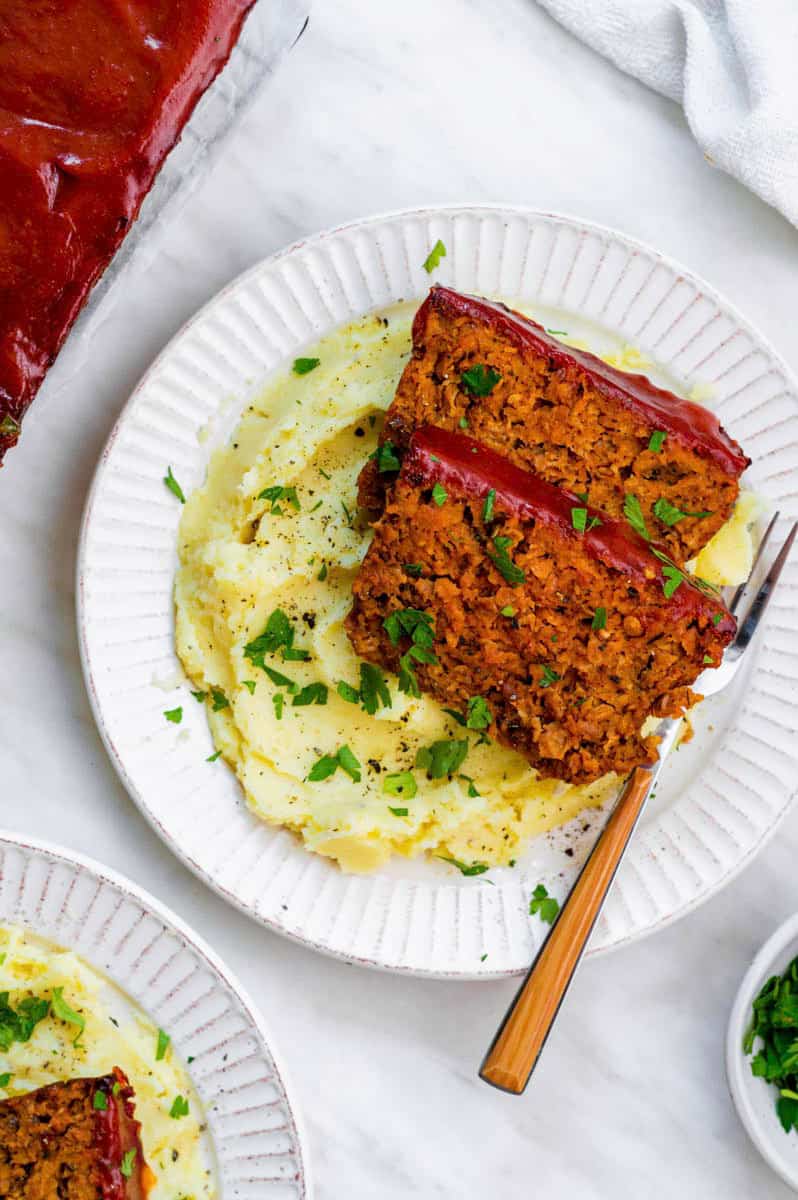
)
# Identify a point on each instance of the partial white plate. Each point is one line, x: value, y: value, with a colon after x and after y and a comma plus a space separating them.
x: 722, y: 795
x: 754, y: 1099
x: 177, y: 979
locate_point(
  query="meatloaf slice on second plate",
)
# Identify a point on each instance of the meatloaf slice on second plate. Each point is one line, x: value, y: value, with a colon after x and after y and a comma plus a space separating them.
x: 565, y: 414
x: 77, y: 1140
x: 567, y: 624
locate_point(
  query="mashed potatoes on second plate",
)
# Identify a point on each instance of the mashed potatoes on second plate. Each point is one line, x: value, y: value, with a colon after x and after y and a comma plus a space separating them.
x: 115, y: 1033
x: 275, y: 529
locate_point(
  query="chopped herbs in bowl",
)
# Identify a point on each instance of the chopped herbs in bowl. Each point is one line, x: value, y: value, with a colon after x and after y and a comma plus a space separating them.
x: 772, y: 1038
x: 762, y: 1052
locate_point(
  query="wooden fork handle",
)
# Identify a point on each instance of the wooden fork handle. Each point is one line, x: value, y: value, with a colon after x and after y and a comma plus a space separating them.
x: 521, y: 1037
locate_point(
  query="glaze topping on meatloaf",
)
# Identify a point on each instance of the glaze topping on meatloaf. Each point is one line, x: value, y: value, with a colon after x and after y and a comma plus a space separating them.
x: 571, y: 627
x: 566, y: 415
x: 77, y: 1140
x: 94, y: 94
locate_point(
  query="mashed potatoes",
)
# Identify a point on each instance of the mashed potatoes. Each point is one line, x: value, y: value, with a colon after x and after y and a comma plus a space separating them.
x: 247, y: 551
x: 115, y: 1034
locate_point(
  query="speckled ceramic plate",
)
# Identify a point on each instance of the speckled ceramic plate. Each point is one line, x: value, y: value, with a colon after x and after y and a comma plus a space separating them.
x: 179, y: 982
x: 722, y: 794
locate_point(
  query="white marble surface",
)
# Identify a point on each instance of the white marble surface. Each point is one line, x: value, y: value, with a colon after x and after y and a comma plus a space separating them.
x: 382, y: 106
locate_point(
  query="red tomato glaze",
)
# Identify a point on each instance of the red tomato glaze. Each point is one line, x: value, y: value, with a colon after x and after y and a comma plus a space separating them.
x: 93, y: 95
x: 466, y: 468
x: 693, y: 425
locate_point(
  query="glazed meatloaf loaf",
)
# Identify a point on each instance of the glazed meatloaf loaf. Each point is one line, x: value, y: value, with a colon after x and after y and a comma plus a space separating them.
x: 77, y: 1140
x: 93, y: 94
x: 566, y: 624
x: 564, y: 414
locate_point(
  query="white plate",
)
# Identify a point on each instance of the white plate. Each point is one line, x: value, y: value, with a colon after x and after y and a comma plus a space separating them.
x: 722, y: 796
x: 754, y: 1099
x: 178, y: 980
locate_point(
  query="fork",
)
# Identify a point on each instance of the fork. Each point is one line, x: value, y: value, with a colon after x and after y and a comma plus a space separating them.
x: 522, y: 1034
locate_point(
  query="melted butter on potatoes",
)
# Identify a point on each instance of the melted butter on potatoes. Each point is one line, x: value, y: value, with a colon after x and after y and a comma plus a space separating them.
x: 240, y: 560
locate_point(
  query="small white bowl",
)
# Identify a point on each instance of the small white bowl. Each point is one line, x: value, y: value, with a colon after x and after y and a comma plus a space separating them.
x: 754, y: 1099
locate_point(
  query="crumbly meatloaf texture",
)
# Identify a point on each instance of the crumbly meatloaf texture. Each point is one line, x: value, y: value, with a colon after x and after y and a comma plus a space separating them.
x: 55, y: 1145
x: 564, y: 414
x: 590, y: 647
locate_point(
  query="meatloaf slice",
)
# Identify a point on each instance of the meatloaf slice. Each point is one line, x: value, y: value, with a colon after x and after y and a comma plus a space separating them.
x: 570, y: 626
x: 566, y: 415
x: 77, y: 1140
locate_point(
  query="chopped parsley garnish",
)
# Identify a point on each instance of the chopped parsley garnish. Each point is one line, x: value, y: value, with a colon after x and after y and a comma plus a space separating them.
x: 504, y: 564
x: 281, y: 680
x: 657, y: 440
x: 717, y: 618
x: 480, y: 380
x: 413, y: 569
x: 372, y: 693
x: 456, y: 716
x: 476, y: 868
x: 218, y: 700
x: 482, y: 957
x: 548, y: 677
x: 488, y: 506
x: 403, y: 784
x: 543, y: 905
x: 442, y: 758
x: 303, y: 366
x: 312, y: 693
x: 179, y: 1108
x: 17, y: 1025
x: 199, y: 697
x: 162, y: 1046
x: 213, y: 757
x: 175, y: 715
x: 556, y: 332
x: 250, y: 685
x: 463, y: 423
x: 439, y: 494
x: 386, y: 458
x: 434, y: 257
x: 277, y: 493
x: 634, y: 515
x: 775, y: 1022
x: 399, y: 812
x: 419, y: 627
x: 478, y: 715
x: 317, y: 506
x: 328, y: 764
x: 581, y: 522
x: 65, y: 1012
x: 278, y: 635
x: 322, y: 575
x: 673, y: 578
x: 507, y: 611
x: 347, y: 514
x: 128, y: 1159
x: 5, y: 1079
x: 8, y: 426
x: 174, y: 486
x: 599, y: 619
x: 323, y: 473
x: 278, y: 700
x: 670, y: 515
x: 99, y: 1101
x: 708, y: 658
x: 472, y: 792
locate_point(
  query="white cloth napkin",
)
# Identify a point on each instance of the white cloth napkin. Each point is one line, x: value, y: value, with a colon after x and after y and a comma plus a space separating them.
x: 731, y: 64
